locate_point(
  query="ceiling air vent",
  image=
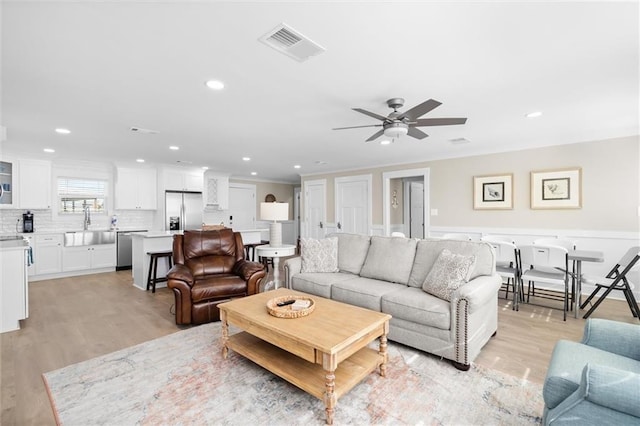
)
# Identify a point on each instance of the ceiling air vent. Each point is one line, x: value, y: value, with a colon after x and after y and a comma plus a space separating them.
x: 146, y: 131
x: 459, y: 141
x: 286, y: 40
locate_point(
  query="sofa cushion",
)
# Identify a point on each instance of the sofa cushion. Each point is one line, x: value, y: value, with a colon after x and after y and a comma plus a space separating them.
x: 449, y: 272
x: 428, y: 251
x: 319, y: 255
x: 389, y: 259
x: 318, y: 283
x: 363, y: 292
x: 567, y: 362
x: 414, y: 305
x: 352, y: 251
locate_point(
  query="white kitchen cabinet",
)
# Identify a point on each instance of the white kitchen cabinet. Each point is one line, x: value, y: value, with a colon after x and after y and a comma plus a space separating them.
x: 14, y: 288
x: 47, y: 254
x: 136, y: 189
x: 89, y: 257
x: 216, y: 191
x: 182, y: 180
x: 34, y: 184
x: 8, y: 178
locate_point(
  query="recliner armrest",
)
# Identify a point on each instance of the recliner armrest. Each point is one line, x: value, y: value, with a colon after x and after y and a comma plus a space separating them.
x: 611, y: 393
x: 612, y: 336
x: 247, y: 269
x: 181, y: 273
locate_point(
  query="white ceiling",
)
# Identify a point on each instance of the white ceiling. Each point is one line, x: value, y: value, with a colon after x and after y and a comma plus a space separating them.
x: 99, y: 68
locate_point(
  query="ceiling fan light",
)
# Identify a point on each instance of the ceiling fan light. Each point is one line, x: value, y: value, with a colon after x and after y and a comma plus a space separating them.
x: 395, y: 132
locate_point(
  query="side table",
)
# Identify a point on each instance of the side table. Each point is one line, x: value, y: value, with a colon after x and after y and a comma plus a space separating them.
x: 276, y: 253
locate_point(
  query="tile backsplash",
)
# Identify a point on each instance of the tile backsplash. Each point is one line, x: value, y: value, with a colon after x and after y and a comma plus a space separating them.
x: 44, y: 221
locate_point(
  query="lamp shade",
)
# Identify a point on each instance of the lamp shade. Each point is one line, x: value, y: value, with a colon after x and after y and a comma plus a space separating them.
x: 274, y: 211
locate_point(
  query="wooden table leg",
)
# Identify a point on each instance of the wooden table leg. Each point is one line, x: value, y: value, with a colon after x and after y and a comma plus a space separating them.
x: 329, y: 364
x: 383, y: 354
x: 225, y: 333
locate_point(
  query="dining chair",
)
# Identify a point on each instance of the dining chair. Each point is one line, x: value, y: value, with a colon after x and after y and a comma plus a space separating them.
x: 616, y: 279
x: 456, y: 236
x: 546, y: 265
x: 508, y: 266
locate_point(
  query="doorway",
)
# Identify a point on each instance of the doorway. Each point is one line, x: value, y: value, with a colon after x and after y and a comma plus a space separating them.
x: 353, y: 204
x: 419, y: 175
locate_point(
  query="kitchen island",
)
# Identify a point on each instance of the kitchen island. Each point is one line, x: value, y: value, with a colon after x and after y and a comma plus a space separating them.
x: 144, y: 242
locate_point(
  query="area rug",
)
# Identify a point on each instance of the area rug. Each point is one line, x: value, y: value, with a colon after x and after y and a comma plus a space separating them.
x: 183, y: 379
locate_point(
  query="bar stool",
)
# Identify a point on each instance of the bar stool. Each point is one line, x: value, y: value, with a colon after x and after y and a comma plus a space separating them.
x: 153, y: 267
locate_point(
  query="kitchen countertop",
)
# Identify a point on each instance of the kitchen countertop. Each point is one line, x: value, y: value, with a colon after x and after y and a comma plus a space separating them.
x: 160, y: 234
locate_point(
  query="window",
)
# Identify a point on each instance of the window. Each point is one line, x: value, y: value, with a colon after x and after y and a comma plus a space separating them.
x: 75, y: 193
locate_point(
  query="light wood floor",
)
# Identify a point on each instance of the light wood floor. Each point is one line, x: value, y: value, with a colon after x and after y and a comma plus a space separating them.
x: 74, y: 319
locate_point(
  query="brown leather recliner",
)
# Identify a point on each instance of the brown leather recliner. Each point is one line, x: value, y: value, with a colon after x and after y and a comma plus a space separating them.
x: 210, y: 268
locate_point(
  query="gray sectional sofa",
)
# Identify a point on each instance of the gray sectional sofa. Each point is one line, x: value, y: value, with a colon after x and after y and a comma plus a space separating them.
x: 387, y: 274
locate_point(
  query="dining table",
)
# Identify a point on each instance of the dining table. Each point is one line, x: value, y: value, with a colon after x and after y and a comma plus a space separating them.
x: 582, y: 256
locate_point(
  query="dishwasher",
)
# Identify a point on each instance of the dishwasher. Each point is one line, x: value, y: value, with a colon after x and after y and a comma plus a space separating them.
x: 123, y: 249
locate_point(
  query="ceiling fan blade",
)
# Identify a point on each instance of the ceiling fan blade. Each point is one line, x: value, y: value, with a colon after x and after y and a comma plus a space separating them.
x: 439, y: 121
x: 416, y: 133
x: 357, y: 127
x: 420, y: 110
x: 376, y: 135
x: 370, y: 114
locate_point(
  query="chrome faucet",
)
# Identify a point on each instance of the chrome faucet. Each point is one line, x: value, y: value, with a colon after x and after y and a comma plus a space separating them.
x: 87, y: 216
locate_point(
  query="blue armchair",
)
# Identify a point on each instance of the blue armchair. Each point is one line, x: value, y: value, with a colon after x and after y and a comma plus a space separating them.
x: 595, y: 381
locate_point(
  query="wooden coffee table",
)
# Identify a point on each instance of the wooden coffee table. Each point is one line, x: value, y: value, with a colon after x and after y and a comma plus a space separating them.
x: 325, y: 353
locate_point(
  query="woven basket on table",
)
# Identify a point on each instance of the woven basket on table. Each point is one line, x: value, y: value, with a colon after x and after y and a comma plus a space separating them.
x: 286, y: 311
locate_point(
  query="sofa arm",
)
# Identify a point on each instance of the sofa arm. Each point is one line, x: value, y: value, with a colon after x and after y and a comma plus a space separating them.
x: 292, y: 266
x: 606, y: 395
x: 478, y: 291
x: 612, y: 336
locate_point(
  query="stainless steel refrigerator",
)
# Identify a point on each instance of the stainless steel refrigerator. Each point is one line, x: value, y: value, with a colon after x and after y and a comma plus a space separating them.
x: 183, y: 210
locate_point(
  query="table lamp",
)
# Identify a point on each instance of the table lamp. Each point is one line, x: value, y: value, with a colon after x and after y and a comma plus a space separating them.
x: 274, y: 212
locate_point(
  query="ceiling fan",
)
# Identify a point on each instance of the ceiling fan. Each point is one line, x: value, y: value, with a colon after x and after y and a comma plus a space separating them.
x: 399, y: 124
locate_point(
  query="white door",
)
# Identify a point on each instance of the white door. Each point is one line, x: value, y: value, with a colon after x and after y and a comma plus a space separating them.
x: 353, y: 204
x: 416, y: 209
x: 315, y: 208
x: 242, y: 206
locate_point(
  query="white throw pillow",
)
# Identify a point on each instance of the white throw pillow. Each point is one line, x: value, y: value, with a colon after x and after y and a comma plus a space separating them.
x: 319, y: 255
x: 449, y: 272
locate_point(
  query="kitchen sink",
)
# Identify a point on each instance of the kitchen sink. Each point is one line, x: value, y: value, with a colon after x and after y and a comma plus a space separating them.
x: 88, y: 238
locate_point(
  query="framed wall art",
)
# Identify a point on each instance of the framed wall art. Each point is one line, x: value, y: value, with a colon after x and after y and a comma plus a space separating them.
x: 494, y: 192
x: 556, y: 189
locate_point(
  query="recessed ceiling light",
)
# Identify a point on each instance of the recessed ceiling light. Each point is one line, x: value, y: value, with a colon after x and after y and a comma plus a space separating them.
x: 140, y: 160
x: 49, y: 150
x: 174, y: 148
x: 385, y: 142
x: 246, y: 158
x: 534, y: 114
x: 254, y: 173
x: 63, y: 131
x: 215, y: 85
x: 205, y: 168
x: 297, y: 166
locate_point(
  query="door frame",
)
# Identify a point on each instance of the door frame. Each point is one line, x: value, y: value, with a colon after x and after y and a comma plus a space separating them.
x: 347, y: 179
x: 386, y: 196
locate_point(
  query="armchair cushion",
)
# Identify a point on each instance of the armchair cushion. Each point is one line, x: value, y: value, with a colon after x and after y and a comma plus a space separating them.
x: 246, y: 269
x: 606, y: 395
x: 613, y: 336
x: 567, y: 362
x: 217, y: 286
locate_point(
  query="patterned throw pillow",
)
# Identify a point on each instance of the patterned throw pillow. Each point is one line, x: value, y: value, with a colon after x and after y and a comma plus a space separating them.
x: 319, y: 255
x: 449, y: 272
